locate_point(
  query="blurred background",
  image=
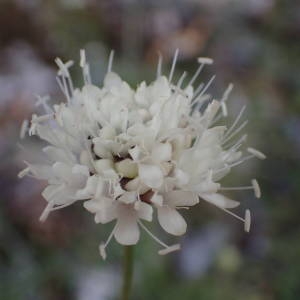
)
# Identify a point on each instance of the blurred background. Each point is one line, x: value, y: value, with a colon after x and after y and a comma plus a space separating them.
x: 256, y: 45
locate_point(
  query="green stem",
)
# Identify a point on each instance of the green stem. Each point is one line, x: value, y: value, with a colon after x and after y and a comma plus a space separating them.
x: 127, y: 272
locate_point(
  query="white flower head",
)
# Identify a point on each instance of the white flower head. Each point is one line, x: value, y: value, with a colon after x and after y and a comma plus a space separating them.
x: 126, y: 153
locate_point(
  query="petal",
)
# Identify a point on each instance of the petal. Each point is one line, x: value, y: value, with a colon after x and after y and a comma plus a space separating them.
x: 171, y: 221
x: 151, y: 175
x: 80, y: 169
x: 162, y: 152
x: 106, y: 215
x: 57, y: 154
x: 92, y: 206
x: 41, y: 171
x: 89, y: 189
x: 181, y: 198
x: 62, y: 170
x: 58, y: 194
x: 219, y: 200
x: 145, y: 211
x: 128, y: 197
x: 127, y: 231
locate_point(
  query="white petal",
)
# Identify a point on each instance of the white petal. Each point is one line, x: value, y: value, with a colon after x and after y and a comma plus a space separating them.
x: 145, y: 211
x: 162, y: 152
x: 181, y: 198
x: 127, y: 168
x: 127, y: 231
x: 106, y: 215
x: 62, y: 170
x: 58, y: 194
x: 80, y: 169
x: 57, y: 154
x: 219, y: 200
x: 151, y: 175
x: 92, y: 206
x: 89, y: 189
x: 128, y: 197
x: 181, y: 177
x: 171, y: 221
x: 102, y: 165
x: 41, y: 171
x: 157, y: 199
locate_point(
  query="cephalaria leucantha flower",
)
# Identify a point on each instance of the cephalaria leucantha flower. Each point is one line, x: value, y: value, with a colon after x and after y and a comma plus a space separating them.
x: 131, y: 154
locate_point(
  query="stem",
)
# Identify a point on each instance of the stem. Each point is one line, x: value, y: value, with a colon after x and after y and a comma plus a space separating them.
x: 127, y: 272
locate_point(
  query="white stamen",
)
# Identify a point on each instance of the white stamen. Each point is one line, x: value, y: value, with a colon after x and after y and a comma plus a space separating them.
x: 235, y: 132
x: 173, y: 65
x: 205, y: 60
x: 247, y: 220
x: 256, y: 153
x: 224, y: 109
x: 232, y: 214
x: 102, y: 251
x: 46, y: 211
x: 204, y: 89
x: 82, y: 58
x: 110, y: 61
x: 235, y: 122
x: 152, y: 235
x: 43, y: 102
x: 237, y: 188
x: 227, y: 93
x: 180, y: 81
x: 170, y: 249
x: 24, y: 129
x: 24, y: 172
x: 159, y: 65
x: 256, y: 188
x: 102, y: 246
x: 198, y: 71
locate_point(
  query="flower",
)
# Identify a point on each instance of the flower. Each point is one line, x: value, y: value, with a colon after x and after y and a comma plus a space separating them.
x: 126, y: 153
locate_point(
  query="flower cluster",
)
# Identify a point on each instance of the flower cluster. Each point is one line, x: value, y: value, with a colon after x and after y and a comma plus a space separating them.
x: 126, y: 153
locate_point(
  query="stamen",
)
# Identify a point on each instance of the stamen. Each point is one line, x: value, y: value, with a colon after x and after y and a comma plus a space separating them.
x: 102, y: 246
x: 110, y: 61
x: 152, y: 235
x: 226, y: 93
x: 237, y: 188
x: 24, y: 129
x: 173, y: 65
x: 46, y: 211
x: 198, y: 71
x: 247, y: 220
x: 43, y: 102
x: 232, y: 214
x: 170, y: 249
x: 224, y: 109
x: 256, y: 188
x: 180, y: 81
x: 256, y: 153
x: 235, y: 122
x: 24, y: 172
x: 82, y: 58
x: 204, y: 89
x: 159, y: 65
x: 205, y: 60
x: 236, y: 131
x: 234, y: 164
x: 237, y: 144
